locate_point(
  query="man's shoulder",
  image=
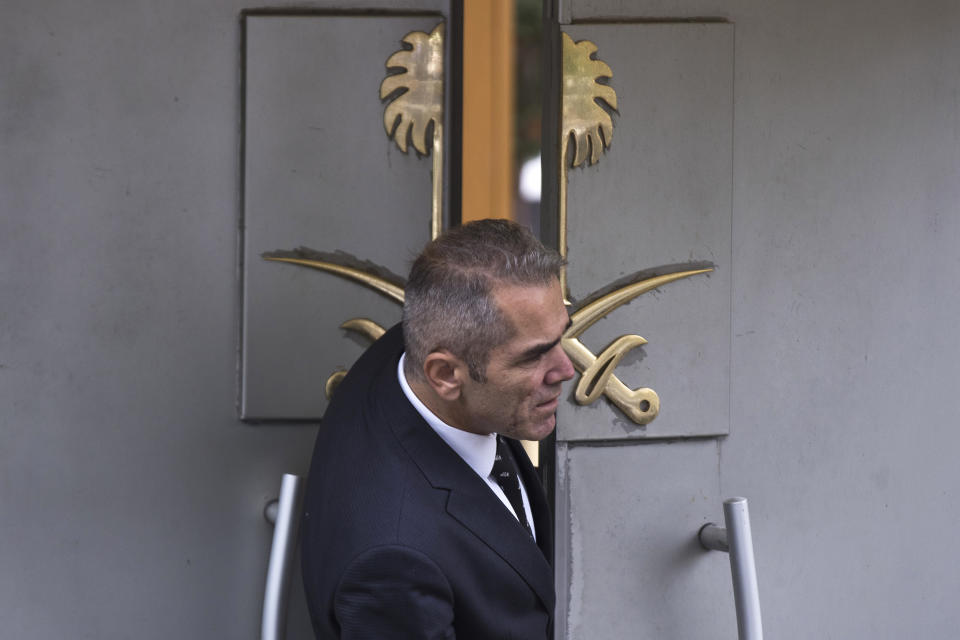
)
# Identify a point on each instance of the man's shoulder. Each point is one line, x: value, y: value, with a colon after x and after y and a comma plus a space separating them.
x: 371, y: 384
x: 389, y: 346
x: 380, y: 359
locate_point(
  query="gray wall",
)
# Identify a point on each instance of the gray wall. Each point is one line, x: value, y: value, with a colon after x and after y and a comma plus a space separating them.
x: 844, y: 371
x: 846, y: 356
x: 130, y: 493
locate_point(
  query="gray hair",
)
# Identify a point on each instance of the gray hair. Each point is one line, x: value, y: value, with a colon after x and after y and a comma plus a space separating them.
x: 448, y: 300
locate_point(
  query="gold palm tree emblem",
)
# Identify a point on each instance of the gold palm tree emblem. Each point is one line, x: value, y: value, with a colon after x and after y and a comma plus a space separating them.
x: 414, y: 95
x: 585, y: 121
x: 587, y: 125
x: 414, y: 98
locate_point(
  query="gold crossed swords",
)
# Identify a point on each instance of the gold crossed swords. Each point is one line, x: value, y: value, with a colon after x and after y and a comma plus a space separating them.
x: 640, y: 405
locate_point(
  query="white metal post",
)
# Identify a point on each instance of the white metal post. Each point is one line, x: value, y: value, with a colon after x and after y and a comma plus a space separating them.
x: 746, y: 594
x: 282, y: 552
x: 737, y: 539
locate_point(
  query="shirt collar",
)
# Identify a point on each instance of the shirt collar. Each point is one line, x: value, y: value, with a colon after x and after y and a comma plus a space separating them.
x: 477, y: 450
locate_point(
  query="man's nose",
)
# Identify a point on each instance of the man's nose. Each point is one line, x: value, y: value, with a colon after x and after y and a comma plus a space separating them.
x: 561, y: 368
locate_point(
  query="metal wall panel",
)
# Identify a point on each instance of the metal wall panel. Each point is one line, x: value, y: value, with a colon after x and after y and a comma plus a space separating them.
x: 658, y: 201
x: 320, y: 172
x: 627, y: 525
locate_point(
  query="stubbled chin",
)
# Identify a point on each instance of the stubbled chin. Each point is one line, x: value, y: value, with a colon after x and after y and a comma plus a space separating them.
x: 543, y: 429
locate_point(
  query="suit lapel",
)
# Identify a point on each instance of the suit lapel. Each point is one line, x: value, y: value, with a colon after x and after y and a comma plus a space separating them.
x: 471, y: 502
x: 484, y: 515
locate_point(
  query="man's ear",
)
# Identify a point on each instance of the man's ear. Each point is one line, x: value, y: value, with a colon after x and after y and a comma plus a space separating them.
x: 444, y: 372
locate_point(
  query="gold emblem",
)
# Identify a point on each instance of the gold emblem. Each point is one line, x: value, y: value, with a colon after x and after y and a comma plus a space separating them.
x: 588, y: 126
x: 584, y: 121
x: 415, y: 101
x: 640, y: 405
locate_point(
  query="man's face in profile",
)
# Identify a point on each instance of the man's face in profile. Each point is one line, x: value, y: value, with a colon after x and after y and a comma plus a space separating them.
x: 524, y: 374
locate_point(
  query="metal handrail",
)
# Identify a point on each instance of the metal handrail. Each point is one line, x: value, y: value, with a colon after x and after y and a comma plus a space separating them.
x: 285, y: 514
x: 737, y: 540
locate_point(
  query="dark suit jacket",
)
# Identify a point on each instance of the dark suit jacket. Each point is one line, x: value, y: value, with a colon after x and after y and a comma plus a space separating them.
x: 402, y: 539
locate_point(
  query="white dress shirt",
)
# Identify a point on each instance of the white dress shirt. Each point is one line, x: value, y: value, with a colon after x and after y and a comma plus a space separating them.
x: 477, y: 450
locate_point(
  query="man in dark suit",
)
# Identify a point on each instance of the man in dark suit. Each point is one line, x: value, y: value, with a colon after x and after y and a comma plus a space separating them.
x: 423, y: 516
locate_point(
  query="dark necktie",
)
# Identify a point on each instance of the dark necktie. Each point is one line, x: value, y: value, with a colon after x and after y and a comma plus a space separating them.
x: 505, y: 473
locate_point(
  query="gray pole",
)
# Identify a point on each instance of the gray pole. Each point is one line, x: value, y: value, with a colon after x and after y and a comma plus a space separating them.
x: 738, y: 541
x: 287, y: 523
x: 746, y: 595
